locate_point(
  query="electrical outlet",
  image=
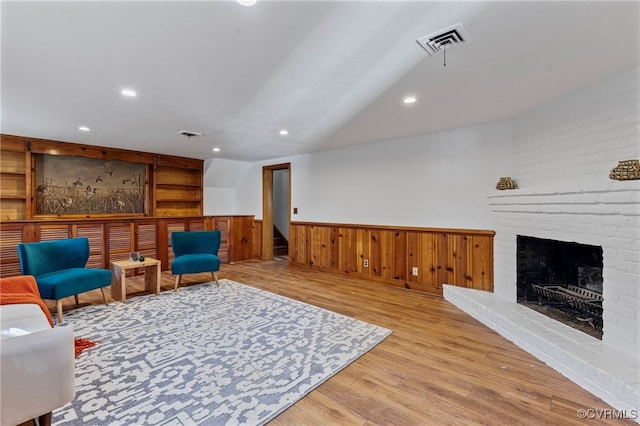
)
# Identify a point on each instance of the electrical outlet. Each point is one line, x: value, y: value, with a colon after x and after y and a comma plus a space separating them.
x: 366, y: 263
x: 414, y: 271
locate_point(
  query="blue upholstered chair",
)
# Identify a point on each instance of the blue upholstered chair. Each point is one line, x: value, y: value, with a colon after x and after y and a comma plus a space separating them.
x: 195, y: 252
x: 59, y: 267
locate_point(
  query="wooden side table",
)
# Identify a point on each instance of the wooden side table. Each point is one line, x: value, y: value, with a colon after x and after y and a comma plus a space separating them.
x: 152, y: 276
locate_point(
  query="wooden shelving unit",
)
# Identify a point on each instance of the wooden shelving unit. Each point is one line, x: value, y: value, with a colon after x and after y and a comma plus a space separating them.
x: 13, y: 181
x: 174, y: 191
x: 177, y: 187
x: 175, y: 184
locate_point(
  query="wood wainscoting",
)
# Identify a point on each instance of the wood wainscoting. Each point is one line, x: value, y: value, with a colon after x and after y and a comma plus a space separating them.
x: 388, y: 255
x: 459, y: 257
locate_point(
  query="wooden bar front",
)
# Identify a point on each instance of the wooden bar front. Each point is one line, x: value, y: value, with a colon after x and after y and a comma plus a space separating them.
x: 113, y: 239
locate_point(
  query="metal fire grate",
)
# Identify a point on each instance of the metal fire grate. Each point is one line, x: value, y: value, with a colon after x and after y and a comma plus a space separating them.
x: 577, y: 297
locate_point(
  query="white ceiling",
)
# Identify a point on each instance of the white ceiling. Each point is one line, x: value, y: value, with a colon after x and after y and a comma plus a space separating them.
x: 331, y: 72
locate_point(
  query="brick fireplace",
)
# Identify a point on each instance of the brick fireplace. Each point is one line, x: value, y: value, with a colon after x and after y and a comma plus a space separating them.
x: 606, y: 216
x: 561, y: 156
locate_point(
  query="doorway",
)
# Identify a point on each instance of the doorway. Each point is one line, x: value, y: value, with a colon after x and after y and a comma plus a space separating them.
x: 276, y: 205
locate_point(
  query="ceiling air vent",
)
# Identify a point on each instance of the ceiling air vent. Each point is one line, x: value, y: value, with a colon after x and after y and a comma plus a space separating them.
x: 188, y: 133
x: 449, y: 37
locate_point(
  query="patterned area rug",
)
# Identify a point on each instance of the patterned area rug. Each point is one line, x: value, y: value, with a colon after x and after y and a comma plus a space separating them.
x: 206, y: 355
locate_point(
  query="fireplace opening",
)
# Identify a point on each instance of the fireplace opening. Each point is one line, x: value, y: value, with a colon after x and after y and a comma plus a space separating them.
x: 562, y: 280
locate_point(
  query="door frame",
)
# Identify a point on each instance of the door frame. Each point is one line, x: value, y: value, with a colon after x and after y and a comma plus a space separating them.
x: 267, y: 207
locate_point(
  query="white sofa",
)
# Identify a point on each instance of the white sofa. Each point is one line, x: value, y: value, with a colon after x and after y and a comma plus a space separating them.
x: 36, y: 365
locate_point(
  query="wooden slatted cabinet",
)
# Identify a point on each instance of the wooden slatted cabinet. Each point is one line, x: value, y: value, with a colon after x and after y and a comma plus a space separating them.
x: 236, y: 233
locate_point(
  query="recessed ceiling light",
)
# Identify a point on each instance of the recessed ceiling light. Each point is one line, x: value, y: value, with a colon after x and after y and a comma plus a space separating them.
x: 247, y: 2
x: 128, y: 92
x: 84, y: 128
x: 409, y: 100
x: 284, y: 132
x: 216, y: 149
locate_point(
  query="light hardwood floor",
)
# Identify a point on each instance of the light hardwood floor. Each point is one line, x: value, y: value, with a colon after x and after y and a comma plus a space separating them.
x: 439, y: 367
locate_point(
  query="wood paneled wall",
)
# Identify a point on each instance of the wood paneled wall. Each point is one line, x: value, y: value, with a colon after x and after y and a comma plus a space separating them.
x: 443, y: 256
x: 256, y: 239
x: 174, y: 184
x: 453, y: 256
x: 113, y: 239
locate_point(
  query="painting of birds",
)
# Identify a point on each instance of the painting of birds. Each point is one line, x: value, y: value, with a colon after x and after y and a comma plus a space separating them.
x: 66, y: 202
x: 88, y: 186
x: 90, y: 193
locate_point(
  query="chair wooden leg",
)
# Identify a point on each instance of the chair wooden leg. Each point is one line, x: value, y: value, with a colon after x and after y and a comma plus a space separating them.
x: 104, y: 296
x: 178, y: 277
x: 76, y: 297
x: 214, y: 275
x: 59, y: 310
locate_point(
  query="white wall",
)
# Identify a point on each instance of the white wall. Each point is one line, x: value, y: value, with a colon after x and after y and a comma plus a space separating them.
x: 433, y: 180
x: 438, y: 179
x: 220, y: 180
x: 219, y: 201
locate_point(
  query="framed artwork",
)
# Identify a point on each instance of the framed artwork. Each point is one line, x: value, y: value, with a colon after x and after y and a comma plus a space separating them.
x: 69, y: 185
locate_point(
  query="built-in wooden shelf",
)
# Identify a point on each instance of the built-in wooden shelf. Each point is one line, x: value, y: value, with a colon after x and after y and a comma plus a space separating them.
x: 13, y: 183
x: 178, y: 188
x: 175, y: 183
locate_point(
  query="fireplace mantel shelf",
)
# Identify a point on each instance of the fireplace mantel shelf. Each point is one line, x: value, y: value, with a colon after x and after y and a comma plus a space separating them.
x: 569, y: 189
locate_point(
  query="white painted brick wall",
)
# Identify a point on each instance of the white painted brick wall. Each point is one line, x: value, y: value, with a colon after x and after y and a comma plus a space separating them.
x: 562, y: 156
x: 581, y: 137
x: 563, y: 153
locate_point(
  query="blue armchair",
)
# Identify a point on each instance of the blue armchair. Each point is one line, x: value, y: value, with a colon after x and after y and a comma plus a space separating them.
x: 195, y: 252
x: 59, y: 268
